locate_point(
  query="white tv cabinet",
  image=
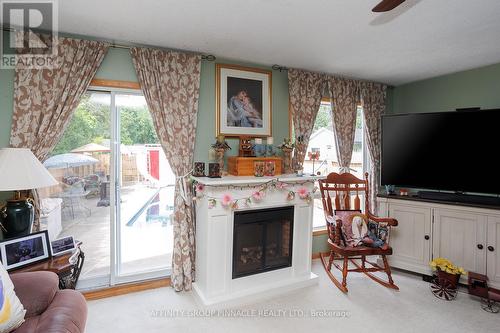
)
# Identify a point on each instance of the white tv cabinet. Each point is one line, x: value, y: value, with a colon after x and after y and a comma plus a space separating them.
x: 468, y: 235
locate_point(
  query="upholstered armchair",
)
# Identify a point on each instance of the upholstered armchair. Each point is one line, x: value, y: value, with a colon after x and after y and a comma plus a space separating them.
x: 48, y: 309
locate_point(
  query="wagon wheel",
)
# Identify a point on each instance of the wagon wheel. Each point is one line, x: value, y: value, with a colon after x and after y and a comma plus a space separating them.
x: 443, y: 289
x: 490, y: 306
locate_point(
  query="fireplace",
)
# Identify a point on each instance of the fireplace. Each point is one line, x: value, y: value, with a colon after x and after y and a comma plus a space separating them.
x: 262, y: 240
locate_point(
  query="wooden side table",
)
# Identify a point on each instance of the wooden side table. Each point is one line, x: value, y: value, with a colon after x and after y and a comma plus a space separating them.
x: 67, y: 266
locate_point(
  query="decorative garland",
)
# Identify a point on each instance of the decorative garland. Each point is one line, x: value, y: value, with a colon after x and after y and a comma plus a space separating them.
x: 227, y: 200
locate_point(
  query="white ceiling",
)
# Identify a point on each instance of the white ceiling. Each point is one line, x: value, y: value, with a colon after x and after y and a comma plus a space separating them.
x: 420, y: 39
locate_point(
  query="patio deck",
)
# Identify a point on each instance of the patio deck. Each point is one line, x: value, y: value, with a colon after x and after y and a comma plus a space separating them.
x: 146, y: 244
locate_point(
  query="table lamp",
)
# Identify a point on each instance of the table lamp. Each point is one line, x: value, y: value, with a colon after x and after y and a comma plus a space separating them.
x: 20, y: 170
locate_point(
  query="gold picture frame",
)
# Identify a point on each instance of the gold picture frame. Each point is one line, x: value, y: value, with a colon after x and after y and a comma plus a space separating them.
x: 243, y: 100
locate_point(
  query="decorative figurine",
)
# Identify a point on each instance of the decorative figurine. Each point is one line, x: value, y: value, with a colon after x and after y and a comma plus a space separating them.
x: 258, y: 148
x: 214, y: 170
x: 246, y: 148
x: 490, y: 297
x: 220, y: 147
x: 199, y: 169
x: 287, y: 149
x: 390, y: 189
x: 300, y: 150
x: 269, y: 147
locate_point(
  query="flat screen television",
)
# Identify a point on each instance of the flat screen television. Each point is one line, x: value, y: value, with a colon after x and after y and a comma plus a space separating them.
x: 450, y: 151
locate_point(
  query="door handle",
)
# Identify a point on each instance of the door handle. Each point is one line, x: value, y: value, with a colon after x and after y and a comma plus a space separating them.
x: 426, y: 237
x: 491, y: 248
x: 480, y: 246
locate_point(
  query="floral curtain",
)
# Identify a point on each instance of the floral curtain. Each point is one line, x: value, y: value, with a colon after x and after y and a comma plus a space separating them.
x: 345, y: 100
x: 374, y: 102
x: 305, y: 91
x: 170, y: 82
x: 44, y: 99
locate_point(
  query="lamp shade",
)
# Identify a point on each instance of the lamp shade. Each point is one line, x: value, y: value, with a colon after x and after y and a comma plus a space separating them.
x: 21, y: 170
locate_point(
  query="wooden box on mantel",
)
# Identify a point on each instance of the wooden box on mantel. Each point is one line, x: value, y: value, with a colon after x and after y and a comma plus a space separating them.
x: 243, y: 166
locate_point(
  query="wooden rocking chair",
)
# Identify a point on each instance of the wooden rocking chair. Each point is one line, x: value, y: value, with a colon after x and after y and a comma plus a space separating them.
x: 338, y: 190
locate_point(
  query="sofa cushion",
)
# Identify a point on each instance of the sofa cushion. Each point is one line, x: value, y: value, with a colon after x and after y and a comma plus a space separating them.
x: 12, y: 311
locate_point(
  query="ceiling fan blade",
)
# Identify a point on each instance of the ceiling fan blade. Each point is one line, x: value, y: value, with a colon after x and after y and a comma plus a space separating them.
x: 387, y: 5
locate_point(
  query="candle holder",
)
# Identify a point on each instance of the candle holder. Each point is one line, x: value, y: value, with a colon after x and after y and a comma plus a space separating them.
x: 199, y: 169
x: 214, y: 170
x: 270, y: 169
x: 258, y: 167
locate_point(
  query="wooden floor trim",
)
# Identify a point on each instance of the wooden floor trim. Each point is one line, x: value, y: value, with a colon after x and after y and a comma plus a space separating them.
x: 318, y: 232
x: 126, y: 289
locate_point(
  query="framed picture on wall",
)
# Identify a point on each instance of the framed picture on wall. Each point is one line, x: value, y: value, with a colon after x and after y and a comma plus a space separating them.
x: 243, y: 97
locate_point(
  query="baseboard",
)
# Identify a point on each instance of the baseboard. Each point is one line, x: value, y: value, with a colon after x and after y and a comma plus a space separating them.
x: 317, y: 255
x: 126, y: 288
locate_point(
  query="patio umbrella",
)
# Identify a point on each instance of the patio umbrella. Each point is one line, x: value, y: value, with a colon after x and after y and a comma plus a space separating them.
x: 69, y: 160
x: 91, y: 148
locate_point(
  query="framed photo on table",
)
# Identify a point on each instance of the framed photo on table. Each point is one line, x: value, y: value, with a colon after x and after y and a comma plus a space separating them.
x: 21, y: 251
x: 62, y: 245
x: 243, y: 98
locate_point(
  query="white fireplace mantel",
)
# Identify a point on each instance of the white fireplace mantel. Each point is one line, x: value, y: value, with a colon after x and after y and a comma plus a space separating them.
x: 214, y: 240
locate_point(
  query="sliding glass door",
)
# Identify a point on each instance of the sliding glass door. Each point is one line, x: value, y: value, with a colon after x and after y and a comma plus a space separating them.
x: 115, y: 191
x: 145, y: 186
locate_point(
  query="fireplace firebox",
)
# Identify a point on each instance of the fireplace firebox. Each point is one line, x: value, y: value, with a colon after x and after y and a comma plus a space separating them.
x: 262, y: 240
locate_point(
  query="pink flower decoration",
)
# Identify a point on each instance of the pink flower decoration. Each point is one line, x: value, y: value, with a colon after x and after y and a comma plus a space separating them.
x: 258, y: 195
x: 303, y: 193
x: 281, y: 185
x: 227, y: 199
x: 199, y: 187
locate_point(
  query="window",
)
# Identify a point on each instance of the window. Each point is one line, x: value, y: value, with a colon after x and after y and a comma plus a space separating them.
x: 323, y: 140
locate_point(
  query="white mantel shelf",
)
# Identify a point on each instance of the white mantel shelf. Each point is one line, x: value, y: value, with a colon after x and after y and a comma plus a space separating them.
x: 214, y: 284
x: 245, y: 180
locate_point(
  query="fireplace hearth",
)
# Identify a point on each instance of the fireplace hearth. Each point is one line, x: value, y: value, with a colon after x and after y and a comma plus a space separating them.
x: 262, y: 240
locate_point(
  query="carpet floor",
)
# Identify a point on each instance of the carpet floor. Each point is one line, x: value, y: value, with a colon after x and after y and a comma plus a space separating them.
x: 322, y: 308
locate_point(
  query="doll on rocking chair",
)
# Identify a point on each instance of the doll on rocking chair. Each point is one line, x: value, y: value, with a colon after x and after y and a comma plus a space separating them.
x: 357, y: 232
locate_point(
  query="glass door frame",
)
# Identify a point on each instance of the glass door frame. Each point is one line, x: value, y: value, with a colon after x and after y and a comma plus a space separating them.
x: 114, y: 277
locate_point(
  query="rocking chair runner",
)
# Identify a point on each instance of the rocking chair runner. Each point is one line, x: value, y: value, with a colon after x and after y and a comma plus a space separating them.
x: 337, y: 191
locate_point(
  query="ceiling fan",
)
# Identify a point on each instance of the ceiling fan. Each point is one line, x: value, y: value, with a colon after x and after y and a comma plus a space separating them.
x: 387, y: 5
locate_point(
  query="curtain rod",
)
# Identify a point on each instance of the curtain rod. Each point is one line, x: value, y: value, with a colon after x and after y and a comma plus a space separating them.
x: 207, y: 57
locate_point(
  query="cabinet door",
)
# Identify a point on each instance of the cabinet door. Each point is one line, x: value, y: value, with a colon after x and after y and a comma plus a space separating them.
x: 410, y: 240
x: 458, y: 236
x: 493, y: 259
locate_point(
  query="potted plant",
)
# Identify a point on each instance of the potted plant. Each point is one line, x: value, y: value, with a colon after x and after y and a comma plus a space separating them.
x: 447, y: 276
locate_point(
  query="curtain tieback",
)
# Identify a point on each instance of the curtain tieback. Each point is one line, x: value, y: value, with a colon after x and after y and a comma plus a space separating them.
x: 181, y: 180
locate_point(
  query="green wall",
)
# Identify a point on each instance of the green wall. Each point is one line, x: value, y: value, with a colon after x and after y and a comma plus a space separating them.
x: 6, y: 104
x: 117, y: 65
x: 478, y: 87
